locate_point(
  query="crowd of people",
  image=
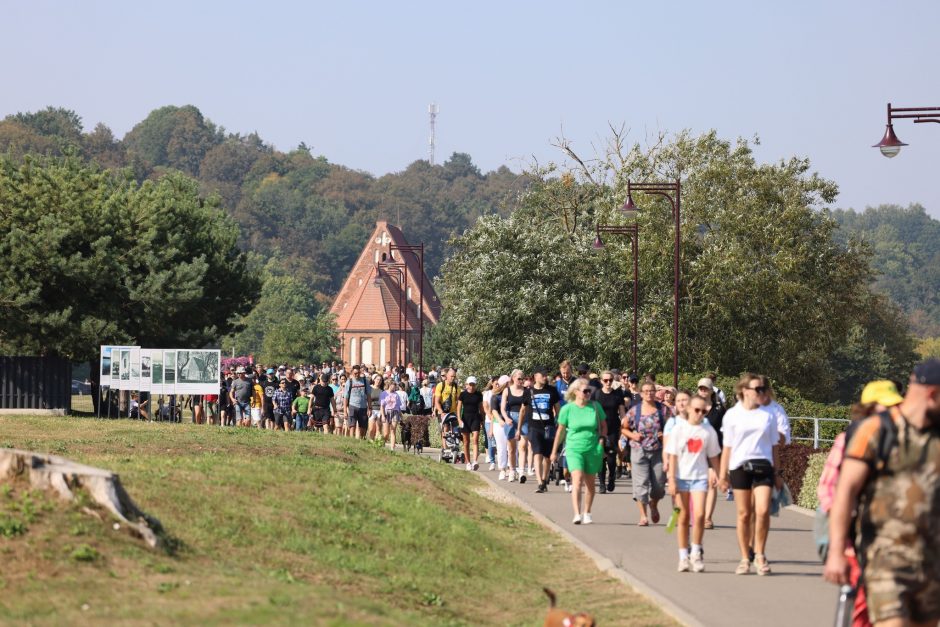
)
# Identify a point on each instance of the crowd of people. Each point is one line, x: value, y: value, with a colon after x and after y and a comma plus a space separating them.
x: 878, y: 494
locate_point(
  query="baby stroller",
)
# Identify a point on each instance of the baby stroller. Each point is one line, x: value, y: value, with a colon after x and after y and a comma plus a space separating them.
x: 451, y: 443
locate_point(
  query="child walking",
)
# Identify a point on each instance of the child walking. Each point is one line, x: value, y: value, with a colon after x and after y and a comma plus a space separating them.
x: 694, y: 454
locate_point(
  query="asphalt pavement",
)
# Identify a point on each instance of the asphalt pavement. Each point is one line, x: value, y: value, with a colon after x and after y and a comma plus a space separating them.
x: 794, y: 594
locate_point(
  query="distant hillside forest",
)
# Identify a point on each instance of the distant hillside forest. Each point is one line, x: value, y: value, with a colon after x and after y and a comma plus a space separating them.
x: 305, y: 220
x: 905, y: 254
x: 311, y: 215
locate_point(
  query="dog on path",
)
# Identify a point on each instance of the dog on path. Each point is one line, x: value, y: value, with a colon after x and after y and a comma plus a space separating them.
x: 560, y: 618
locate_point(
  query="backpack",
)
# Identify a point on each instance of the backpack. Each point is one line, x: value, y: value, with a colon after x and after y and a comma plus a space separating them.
x: 415, y: 401
x: 887, y: 439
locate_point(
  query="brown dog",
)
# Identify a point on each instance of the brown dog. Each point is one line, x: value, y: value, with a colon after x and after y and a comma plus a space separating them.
x: 561, y: 618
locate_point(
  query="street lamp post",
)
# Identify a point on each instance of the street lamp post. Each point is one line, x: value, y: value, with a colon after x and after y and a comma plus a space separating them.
x: 673, y: 193
x: 418, y: 251
x: 402, y: 271
x: 633, y: 231
x: 890, y: 145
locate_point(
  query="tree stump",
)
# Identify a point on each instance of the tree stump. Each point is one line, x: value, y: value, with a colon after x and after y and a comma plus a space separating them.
x: 65, y: 478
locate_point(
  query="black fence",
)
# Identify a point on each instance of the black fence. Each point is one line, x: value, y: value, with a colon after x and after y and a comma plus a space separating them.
x: 35, y: 383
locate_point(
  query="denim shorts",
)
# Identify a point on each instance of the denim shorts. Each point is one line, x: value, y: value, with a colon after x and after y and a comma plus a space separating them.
x: 510, y: 429
x: 692, y: 485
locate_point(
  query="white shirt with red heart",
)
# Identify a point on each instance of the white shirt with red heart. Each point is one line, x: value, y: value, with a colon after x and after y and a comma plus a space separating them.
x: 693, y: 445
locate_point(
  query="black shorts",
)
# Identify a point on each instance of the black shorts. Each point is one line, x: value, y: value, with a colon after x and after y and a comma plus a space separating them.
x: 361, y: 416
x: 471, y: 423
x: 541, y: 441
x: 267, y: 413
x: 281, y: 419
x: 321, y: 415
x: 744, y: 479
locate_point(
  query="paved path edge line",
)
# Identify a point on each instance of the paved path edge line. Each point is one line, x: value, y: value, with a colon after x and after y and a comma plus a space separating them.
x: 604, y: 564
x: 801, y: 510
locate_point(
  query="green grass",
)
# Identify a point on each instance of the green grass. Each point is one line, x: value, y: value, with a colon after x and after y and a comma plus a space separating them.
x: 282, y: 528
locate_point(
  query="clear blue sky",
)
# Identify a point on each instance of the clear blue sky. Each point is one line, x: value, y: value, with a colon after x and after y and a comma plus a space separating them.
x: 353, y: 79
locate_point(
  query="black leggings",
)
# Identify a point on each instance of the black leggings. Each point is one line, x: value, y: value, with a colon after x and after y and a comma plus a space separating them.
x: 610, y: 464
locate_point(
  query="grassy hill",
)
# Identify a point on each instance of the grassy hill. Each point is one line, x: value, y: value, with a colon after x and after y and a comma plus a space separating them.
x: 282, y: 528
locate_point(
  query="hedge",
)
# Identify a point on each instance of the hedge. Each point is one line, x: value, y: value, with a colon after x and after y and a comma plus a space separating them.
x: 807, y: 496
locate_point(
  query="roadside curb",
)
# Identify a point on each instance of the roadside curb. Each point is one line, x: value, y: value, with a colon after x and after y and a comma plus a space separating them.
x: 604, y: 564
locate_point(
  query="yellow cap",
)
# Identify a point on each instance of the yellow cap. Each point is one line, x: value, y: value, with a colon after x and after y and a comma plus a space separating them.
x: 881, y: 392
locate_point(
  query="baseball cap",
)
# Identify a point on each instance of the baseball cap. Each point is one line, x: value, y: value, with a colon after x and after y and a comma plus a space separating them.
x: 471, y: 379
x: 927, y: 372
x: 705, y: 382
x: 269, y: 371
x: 540, y: 370
x: 882, y: 392
x: 503, y: 380
x: 634, y: 379
x: 583, y: 367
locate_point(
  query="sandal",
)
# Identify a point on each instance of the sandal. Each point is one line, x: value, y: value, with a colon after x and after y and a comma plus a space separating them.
x: 655, y: 514
x: 709, y: 524
x: 643, y: 523
x: 744, y: 567
x: 762, y: 565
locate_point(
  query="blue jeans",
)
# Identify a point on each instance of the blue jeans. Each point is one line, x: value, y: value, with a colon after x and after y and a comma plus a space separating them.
x: 300, y: 422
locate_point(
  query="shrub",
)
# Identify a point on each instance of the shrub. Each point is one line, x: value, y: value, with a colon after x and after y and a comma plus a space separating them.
x: 807, y: 496
x: 793, y: 461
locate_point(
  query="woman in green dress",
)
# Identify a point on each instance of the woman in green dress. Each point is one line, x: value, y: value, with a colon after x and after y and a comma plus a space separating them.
x: 581, y: 426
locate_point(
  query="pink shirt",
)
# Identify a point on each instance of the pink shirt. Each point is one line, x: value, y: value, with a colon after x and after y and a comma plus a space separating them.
x: 830, y: 474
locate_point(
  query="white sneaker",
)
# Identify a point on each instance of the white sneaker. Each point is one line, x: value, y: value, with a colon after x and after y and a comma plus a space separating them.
x: 698, y: 564
x: 502, y: 474
x: 530, y: 472
x: 565, y: 485
x: 577, y: 519
x: 469, y: 466
x: 492, y: 466
x: 512, y: 476
x: 586, y: 519
x: 685, y: 565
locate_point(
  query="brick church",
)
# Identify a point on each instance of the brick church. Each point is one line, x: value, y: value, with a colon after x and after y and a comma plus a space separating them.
x: 377, y: 309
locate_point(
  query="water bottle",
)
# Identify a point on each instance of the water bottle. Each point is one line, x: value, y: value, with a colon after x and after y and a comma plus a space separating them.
x: 673, y: 519
x: 846, y: 606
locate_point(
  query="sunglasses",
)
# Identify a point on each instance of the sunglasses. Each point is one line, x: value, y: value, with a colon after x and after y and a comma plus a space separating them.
x: 697, y: 410
x: 587, y: 391
x: 760, y: 389
x: 606, y: 380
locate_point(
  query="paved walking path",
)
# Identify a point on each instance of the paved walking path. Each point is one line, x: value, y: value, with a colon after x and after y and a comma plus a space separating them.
x: 794, y: 594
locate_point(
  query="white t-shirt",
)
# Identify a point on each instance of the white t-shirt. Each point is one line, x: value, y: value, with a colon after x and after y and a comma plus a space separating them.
x: 750, y: 434
x: 487, y: 398
x: 693, y: 444
x: 783, y: 420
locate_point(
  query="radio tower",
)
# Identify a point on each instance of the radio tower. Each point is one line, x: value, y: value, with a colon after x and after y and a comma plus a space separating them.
x: 432, y: 114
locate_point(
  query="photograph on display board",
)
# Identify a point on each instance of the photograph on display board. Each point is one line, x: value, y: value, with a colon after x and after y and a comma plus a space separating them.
x: 135, y: 364
x: 145, y: 370
x: 169, y: 367
x: 105, y: 362
x: 115, y: 364
x: 156, y: 367
x: 197, y: 367
x: 125, y: 365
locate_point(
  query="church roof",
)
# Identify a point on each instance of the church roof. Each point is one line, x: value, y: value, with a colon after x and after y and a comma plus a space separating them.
x: 364, y: 306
